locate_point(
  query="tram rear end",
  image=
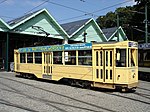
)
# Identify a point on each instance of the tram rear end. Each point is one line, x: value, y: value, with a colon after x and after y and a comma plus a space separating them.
x: 115, y: 65
x: 126, y: 69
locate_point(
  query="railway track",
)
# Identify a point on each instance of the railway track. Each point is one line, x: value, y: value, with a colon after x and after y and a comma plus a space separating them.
x: 72, y: 96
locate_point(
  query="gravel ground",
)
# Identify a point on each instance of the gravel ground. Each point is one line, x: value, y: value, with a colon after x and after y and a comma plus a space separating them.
x: 24, y: 95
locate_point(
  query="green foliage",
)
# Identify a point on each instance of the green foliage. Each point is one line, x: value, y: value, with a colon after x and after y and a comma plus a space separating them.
x: 130, y: 18
x: 110, y: 19
x: 107, y: 21
x: 142, y: 1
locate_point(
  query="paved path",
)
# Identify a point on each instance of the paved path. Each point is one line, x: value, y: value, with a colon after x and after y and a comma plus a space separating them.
x: 24, y: 95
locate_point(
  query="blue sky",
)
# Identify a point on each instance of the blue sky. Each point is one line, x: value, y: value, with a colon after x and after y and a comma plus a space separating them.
x: 11, y: 9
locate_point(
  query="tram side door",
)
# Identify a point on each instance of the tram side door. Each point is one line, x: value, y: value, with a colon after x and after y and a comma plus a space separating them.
x: 103, y: 68
x: 47, y: 65
x: 98, y: 65
x: 16, y: 61
x: 108, y: 66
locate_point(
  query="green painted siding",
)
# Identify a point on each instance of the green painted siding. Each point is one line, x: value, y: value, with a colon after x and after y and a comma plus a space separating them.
x: 3, y: 27
x: 122, y: 36
x: 114, y: 38
x: 43, y: 21
x: 93, y: 33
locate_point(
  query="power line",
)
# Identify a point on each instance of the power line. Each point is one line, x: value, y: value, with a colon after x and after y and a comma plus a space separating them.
x: 72, y: 8
x: 6, y: 16
x: 3, y: 1
x: 95, y: 11
x: 37, y: 6
x: 71, y: 18
x: 111, y: 6
x: 86, y: 13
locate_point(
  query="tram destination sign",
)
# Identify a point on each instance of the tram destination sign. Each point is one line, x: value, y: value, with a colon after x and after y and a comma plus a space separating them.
x: 133, y: 44
x: 42, y: 48
x: 82, y: 46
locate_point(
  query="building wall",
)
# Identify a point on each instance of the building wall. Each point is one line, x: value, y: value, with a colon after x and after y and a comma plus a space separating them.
x: 92, y: 34
x: 42, y: 21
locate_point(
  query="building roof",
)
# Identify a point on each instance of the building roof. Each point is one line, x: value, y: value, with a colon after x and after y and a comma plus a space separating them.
x: 71, y: 27
x: 19, y: 19
x: 16, y: 23
x: 109, y: 31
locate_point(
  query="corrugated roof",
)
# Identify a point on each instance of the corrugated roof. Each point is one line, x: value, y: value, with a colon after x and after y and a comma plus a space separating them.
x: 71, y: 27
x: 19, y: 19
x: 109, y: 31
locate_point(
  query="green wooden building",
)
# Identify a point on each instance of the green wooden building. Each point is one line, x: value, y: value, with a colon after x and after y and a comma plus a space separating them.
x: 40, y: 28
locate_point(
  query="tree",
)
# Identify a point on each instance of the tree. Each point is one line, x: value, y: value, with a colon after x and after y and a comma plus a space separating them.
x: 130, y: 18
x: 110, y: 19
x: 142, y: 1
x: 142, y: 6
x: 107, y: 21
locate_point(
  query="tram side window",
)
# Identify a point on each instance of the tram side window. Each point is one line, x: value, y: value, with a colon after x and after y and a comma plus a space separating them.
x: 57, y: 57
x: 70, y: 58
x: 29, y: 57
x: 122, y: 61
x: 38, y: 57
x: 85, y: 57
x: 22, y: 58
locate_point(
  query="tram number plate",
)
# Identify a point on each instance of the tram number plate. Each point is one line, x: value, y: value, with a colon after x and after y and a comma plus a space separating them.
x: 47, y: 76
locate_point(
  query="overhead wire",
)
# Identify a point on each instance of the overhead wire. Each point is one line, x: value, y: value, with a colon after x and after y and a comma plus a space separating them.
x: 7, y: 17
x: 44, y: 1
x: 85, y: 13
x: 72, y: 8
x: 3, y: 1
x: 111, y: 6
x: 95, y: 11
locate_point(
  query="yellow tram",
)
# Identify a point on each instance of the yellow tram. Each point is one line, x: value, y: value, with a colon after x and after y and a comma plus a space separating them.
x: 104, y: 65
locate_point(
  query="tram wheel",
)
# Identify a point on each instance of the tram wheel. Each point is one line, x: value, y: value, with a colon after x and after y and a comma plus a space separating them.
x: 128, y: 90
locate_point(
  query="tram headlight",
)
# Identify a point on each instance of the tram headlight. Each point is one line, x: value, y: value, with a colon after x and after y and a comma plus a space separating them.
x: 133, y: 75
x: 118, y: 77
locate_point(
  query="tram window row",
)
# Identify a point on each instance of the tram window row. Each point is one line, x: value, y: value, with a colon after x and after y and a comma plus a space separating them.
x: 70, y: 57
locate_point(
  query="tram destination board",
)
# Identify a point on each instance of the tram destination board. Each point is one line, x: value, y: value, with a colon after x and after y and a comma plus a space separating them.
x: 81, y: 46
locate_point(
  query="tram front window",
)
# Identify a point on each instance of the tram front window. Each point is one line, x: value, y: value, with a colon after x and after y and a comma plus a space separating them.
x: 121, y: 62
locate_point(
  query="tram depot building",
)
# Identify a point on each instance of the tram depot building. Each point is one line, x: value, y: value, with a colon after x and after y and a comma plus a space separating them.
x: 40, y: 28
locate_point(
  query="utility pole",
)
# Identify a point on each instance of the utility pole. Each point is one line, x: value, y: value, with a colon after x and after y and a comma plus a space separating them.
x: 146, y: 24
x: 84, y: 35
x: 117, y: 26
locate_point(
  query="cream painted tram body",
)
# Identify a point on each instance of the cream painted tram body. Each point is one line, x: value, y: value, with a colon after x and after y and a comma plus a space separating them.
x: 104, y: 65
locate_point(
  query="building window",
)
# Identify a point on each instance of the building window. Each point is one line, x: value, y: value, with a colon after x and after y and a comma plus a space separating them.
x: 147, y: 56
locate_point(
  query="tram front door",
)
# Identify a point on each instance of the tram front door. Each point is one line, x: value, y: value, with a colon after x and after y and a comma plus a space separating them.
x: 103, y: 66
x: 47, y: 65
